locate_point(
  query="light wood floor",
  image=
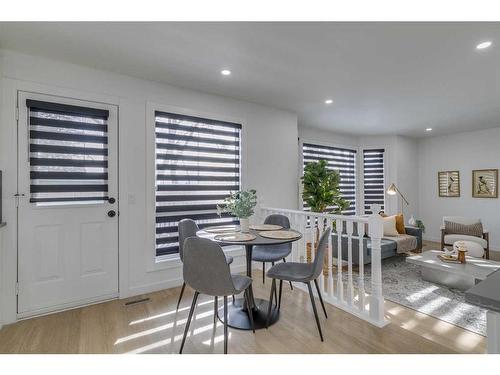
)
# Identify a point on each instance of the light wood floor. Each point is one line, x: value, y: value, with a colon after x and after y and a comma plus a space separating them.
x: 155, y: 327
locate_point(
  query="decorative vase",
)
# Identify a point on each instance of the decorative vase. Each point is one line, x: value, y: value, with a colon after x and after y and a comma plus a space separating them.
x: 412, y: 221
x: 244, y: 224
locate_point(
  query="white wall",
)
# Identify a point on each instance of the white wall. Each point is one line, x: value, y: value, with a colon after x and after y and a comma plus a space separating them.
x: 463, y: 152
x: 269, y: 154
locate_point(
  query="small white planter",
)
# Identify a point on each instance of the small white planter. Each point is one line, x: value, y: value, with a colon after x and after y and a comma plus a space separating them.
x: 244, y: 225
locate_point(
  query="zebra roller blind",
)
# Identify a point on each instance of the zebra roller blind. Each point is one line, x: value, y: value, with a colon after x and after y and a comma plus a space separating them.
x: 341, y: 159
x: 197, y: 166
x: 68, y: 153
x: 373, y: 178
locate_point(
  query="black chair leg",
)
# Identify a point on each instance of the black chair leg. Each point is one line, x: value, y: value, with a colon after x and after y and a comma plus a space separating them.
x: 250, y: 312
x: 234, y: 299
x: 273, y: 287
x: 215, y: 309
x: 275, y: 290
x: 225, y: 324
x: 263, y: 273
x: 314, y: 309
x: 180, y: 297
x: 320, y: 298
x: 191, y: 311
x: 279, y: 301
x: 291, y: 286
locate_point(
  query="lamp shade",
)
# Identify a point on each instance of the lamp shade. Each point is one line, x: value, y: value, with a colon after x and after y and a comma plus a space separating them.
x: 392, y: 190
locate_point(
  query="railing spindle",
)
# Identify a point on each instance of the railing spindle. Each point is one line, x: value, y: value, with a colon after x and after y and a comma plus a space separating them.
x: 340, y: 283
x: 361, y: 264
x: 350, y: 292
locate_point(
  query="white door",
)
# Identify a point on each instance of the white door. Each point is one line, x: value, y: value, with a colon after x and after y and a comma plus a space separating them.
x: 68, y: 203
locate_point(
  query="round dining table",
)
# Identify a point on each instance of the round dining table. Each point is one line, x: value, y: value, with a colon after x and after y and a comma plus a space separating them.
x: 237, y: 316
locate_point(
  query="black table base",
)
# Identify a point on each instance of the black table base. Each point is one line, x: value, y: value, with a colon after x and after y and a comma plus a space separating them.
x: 237, y: 317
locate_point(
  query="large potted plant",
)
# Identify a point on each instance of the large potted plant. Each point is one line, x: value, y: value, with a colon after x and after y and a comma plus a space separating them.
x: 321, y: 192
x: 240, y: 204
x: 321, y: 189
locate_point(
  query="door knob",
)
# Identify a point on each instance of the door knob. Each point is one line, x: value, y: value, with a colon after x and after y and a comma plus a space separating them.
x: 111, y: 213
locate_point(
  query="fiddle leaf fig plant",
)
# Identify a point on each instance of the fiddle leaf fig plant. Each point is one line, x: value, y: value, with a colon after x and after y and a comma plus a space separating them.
x: 240, y: 204
x: 321, y: 188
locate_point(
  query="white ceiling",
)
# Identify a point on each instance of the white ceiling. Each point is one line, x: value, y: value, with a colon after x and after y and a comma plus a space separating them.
x: 384, y: 78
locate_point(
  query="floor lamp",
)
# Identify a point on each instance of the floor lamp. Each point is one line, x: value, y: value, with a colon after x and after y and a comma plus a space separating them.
x: 393, y: 190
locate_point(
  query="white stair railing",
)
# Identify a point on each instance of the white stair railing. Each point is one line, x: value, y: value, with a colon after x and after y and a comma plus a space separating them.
x: 337, y: 281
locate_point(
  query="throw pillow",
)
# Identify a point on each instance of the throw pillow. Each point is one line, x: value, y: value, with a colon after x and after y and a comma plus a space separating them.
x: 475, y: 230
x: 400, y: 224
x: 390, y: 226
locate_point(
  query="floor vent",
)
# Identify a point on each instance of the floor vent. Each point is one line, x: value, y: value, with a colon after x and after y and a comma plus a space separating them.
x: 136, y: 301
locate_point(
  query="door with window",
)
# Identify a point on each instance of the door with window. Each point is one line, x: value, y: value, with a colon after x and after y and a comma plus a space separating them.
x: 67, y: 203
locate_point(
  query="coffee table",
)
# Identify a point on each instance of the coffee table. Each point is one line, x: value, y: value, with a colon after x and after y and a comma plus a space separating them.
x: 453, y: 275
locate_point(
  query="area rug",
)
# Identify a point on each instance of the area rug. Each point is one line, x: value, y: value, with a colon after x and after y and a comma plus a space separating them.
x: 402, y: 283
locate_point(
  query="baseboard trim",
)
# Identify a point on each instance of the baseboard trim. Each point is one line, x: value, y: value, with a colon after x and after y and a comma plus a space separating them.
x: 162, y: 285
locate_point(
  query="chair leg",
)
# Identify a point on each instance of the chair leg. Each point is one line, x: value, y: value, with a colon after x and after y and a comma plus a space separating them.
x: 273, y: 287
x: 180, y: 297
x: 291, y: 286
x: 215, y: 309
x: 263, y: 272
x: 314, y: 309
x: 281, y: 289
x: 234, y: 299
x: 225, y: 324
x: 191, y: 311
x: 250, y: 312
x: 320, y: 297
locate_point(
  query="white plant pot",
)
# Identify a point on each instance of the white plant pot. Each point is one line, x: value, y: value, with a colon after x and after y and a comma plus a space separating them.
x: 244, y: 225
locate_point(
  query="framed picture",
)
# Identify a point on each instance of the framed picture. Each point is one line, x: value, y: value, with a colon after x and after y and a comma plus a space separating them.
x: 485, y: 183
x: 449, y: 183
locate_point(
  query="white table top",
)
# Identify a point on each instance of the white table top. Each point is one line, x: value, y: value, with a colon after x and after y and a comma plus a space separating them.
x: 478, y: 268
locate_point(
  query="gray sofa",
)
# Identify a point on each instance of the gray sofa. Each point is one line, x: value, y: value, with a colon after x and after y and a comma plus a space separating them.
x: 388, y: 247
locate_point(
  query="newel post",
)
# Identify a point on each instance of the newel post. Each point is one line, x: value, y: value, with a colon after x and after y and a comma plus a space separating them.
x: 376, y: 232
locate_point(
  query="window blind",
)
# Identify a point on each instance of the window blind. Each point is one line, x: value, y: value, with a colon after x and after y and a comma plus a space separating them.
x: 341, y: 159
x: 197, y: 166
x: 68, y: 153
x: 373, y: 178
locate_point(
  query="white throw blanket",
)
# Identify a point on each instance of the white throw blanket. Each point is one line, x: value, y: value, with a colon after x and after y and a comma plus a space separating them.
x: 404, y: 242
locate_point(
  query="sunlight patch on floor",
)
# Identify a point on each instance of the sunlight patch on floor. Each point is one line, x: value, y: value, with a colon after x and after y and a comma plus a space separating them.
x: 172, y: 312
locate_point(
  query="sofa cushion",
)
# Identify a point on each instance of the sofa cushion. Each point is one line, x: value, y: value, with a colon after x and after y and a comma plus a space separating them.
x: 450, y: 239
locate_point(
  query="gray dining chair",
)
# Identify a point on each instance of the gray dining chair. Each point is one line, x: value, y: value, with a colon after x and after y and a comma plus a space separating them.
x: 273, y: 253
x: 205, y: 269
x: 301, y: 272
x: 188, y: 228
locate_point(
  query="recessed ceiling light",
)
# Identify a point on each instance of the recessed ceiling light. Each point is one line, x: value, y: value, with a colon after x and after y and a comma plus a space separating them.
x: 428, y: 129
x: 225, y: 72
x: 484, y: 45
x: 328, y: 101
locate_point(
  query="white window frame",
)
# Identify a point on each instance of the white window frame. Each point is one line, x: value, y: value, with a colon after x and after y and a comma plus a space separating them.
x: 328, y: 144
x: 156, y: 263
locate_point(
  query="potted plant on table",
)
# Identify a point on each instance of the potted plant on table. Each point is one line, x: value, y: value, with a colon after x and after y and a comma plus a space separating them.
x: 321, y: 192
x: 240, y: 204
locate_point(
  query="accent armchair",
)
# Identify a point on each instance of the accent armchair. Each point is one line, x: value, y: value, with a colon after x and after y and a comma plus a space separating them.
x: 450, y: 238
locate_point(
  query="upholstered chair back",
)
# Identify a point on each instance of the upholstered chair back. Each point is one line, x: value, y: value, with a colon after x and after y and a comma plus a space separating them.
x: 187, y: 228
x: 205, y: 268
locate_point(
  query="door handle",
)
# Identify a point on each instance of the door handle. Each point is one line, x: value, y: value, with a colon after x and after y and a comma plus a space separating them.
x: 111, y: 213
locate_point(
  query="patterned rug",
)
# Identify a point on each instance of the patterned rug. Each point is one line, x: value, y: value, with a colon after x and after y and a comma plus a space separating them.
x: 402, y: 283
